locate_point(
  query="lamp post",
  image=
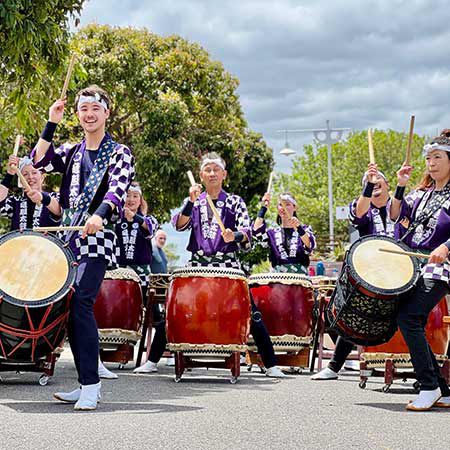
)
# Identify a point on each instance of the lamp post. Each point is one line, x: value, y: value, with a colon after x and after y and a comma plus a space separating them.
x: 328, y: 136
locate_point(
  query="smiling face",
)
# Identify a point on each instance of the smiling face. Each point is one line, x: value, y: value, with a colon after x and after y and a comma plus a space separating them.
x: 33, y: 176
x: 381, y: 187
x: 438, y: 165
x: 133, y: 201
x: 286, y: 209
x: 212, y: 176
x: 92, y: 117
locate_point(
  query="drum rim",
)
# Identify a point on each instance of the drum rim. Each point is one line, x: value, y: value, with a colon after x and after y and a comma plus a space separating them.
x: 374, y: 289
x: 62, y: 292
x: 208, y: 272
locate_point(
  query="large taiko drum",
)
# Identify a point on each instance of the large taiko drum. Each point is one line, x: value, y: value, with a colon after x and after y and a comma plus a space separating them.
x: 363, y: 307
x: 285, y: 301
x: 208, y: 311
x: 36, y: 274
x: 396, y: 349
x: 118, y: 308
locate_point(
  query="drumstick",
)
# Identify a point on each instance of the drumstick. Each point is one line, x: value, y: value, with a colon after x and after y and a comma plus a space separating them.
x: 371, y: 152
x: 269, y: 186
x: 404, y: 253
x: 191, y: 178
x: 68, y: 76
x: 216, y: 213
x: 61, y: 228
x: 283, y: 204
x: 410, y: 139
x: 17, y: 144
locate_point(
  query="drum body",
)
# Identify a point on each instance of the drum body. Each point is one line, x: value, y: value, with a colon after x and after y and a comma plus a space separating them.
x: 36, y: 275
x: 208, y: 311
x: 364, y: 305
x: 118, y: 307
x: 286, y: 303
x: 324, y: 285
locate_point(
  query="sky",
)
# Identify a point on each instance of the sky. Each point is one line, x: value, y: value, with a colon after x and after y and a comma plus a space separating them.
x: 357, y: 63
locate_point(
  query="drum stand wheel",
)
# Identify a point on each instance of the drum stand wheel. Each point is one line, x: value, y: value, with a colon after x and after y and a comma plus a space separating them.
x: 44, y: 379
x: 233, y: 380
x: 362, y: 384
x: 386, y: 388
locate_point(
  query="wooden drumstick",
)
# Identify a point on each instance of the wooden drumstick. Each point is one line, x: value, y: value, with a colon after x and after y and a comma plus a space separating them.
x: 68, y: 76
x: 269, y: 186
x: 61, y: 228
x: 410, y: 140
x: 216, y: 213
x: 283, y: 204
x: 371, y: 151
x: 404, y: 253
x: 17, y: 144
x: 191, y: 178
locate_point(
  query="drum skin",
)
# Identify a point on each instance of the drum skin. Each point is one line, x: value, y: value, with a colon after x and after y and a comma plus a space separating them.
x: 437, y: 334
x: 119, y: 305
x: 208, y: 310
x: 286, y: 309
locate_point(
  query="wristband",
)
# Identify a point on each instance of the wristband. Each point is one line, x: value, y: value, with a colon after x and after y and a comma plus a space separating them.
x: 399, y: 192
x: 104, y: 210
x: 301, y: 231
x: 238, y: 236
x: 7, y: 180
x: 262, y: 212
x: 368, y: 189
x: 46, y: 198
x: 447, y: 244
x: 139, y: 219
x: 49, y: 131
x: 187, y: 209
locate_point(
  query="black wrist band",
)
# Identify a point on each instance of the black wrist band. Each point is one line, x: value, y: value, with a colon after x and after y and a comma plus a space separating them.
x: 301, y: 231
x: 262, y: 212
x: 46, y: 199
x: 399, y: 192
x: 368, y: 189
x: 7, y: 180
x: 238, y: 236
x: 187, y: 209
x: 104, y: 210
x: 49, y: 131
x: 139, y: 219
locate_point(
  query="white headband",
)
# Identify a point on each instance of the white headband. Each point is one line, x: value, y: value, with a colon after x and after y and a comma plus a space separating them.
x: 135, y: 189
x: 288, y: 198
x: 217, y: 161
x: 92, y: 99
x: 25, y: 161
x: 427, y: 148
x: 366, y: 176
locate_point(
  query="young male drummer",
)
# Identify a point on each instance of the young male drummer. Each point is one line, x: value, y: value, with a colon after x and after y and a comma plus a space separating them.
x: 96, y: 175
x: 369, y: 213
x: 211, y: 248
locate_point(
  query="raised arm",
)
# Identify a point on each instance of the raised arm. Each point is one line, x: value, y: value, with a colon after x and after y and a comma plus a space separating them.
x: 403, y: 175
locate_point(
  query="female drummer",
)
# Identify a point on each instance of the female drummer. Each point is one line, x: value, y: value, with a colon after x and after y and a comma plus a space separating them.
x: 291, y: 243
x: 425, y: 218
x: 369, y: 214
x: 34, y: 207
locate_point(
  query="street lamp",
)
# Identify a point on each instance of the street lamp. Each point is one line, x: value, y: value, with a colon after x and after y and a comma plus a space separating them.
x: 287, y: 151
x: 328, y: 136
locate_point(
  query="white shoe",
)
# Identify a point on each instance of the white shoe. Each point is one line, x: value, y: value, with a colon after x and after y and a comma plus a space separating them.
x: 71, y: 397
x: 444, y: 402
x: 275, y: 372
x: 170, y: 361
x: 243, y: 360
x: 351, y: 365
x: 325, y: 374
x: 425, y: 400
x: 89, y: 396
x: 148, y: 367
x: 103, y: 372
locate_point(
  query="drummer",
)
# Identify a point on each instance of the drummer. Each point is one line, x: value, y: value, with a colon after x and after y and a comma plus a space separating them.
x: 425, y: 217
x: 33, y: 208
x: 369, y: 214
x: 291, y: 243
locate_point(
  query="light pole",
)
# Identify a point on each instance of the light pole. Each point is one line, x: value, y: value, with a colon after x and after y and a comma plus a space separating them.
x: 328, y: 136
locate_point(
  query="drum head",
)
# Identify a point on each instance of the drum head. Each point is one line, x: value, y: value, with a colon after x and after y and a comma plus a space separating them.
x: 35, y: 269
x: 380, y: 272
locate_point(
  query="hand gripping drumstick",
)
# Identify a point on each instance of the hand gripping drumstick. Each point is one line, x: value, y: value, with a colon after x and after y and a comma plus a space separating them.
x: 404, y: 253
x: 410, y: 139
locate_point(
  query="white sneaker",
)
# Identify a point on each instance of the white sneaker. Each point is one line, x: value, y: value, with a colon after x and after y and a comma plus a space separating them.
x: 170, y: 362
x: 148, y: 367
x: 71, y: 397
x: 275, y: 372
x: 351, y: 365
x: 89, y: 397
x: 444, y: 402
x: 103, y: 372
x: 325, y: 374
x: 425, y: 400
x: 243, y: 360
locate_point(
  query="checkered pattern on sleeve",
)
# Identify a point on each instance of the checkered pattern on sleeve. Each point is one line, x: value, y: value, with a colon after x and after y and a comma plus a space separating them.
x: 7, y: 206
x: 55, y: 159
x: 102, y: 244
x: 437, y: 271
x: 260, y: 236
x: 312, y: 238
x: 152, y: 224
x: 243, y: 224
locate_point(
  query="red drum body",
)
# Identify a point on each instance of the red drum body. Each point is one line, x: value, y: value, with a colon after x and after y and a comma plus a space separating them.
x: 208, y: 311
x: 286, y: 302
x: 118, y: 309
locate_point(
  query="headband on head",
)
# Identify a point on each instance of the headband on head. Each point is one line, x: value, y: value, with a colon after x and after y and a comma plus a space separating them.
x: 96, y: 98
x: 428, y: 148
x: 288, y: 198
x: 366, y: 177
x: 135, y: 189
x: 217, y: 161
x: 25, y: 161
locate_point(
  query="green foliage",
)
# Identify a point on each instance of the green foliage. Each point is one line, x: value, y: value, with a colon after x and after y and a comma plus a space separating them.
x: 171, y: 254
x: 309, y: 180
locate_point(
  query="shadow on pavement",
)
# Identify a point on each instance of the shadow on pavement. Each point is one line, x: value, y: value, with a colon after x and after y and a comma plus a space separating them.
x: 400, y: 407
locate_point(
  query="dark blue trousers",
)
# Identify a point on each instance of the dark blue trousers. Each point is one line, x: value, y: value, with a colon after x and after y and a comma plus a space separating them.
x: 82, y: 327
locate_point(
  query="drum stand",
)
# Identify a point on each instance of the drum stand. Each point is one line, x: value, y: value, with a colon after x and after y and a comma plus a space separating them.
x: 296, y: 360
x: 231, y: 362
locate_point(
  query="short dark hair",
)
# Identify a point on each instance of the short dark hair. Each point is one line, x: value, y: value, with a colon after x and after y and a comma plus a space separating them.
x: 91, y: 91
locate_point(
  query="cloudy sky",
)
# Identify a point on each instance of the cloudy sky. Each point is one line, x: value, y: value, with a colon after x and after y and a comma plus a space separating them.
x: 358, y: 63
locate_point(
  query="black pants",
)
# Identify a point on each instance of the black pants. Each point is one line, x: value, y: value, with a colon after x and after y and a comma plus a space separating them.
x: 415, y: 307
x: 257, y: 329
x: 82, y: 327
x: 341, y: 352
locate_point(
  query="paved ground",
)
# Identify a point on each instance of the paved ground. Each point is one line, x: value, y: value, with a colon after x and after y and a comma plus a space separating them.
x: 205, y: 411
